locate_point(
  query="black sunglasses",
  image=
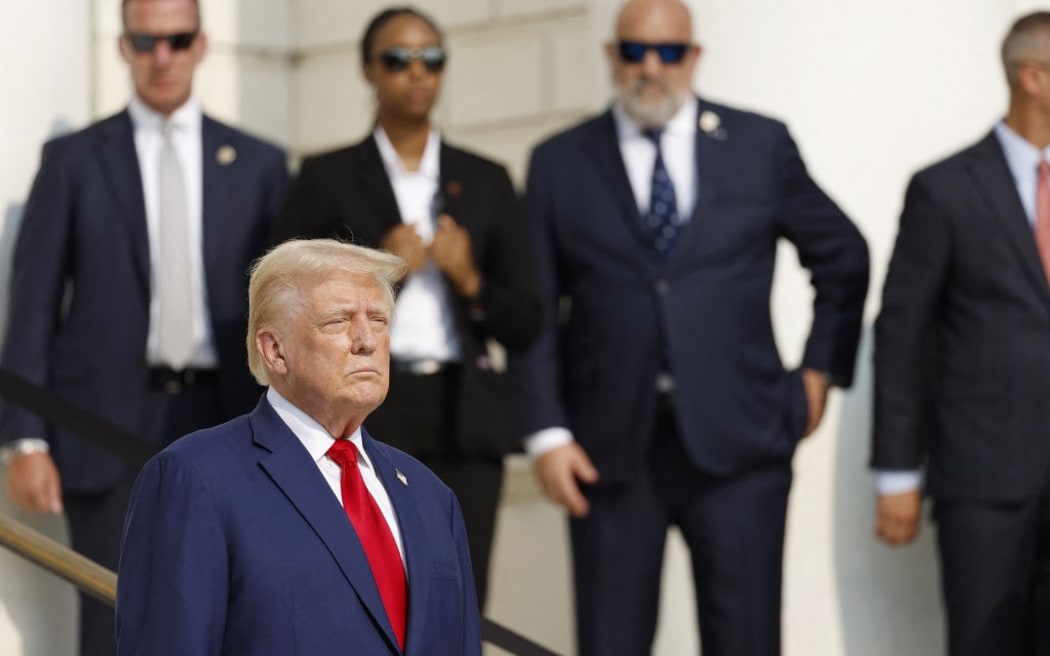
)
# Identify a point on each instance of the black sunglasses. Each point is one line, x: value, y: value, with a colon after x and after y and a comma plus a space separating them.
x: 633, y: 52
x: 143, y: 43
x: 398, y: 59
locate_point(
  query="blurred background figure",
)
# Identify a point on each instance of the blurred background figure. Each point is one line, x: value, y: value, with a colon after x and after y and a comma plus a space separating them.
x: 469, y: 295
x: 129, y: 285
x: 962, y: 367
x: 662, y: 399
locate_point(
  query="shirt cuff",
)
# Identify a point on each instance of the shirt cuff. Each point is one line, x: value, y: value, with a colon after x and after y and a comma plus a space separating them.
x: 897, y: 481
x: 546, y: 440
x: 22, y: 447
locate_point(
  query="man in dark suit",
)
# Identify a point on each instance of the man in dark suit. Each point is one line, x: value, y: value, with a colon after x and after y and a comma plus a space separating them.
x: 962, y: 367
x: 655, y: 395
x: 470, y: 294
x: 129, y: 285
x: 235, y: 541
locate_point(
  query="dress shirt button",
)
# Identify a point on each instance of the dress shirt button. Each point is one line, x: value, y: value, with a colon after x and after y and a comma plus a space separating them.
x: 662, y: 286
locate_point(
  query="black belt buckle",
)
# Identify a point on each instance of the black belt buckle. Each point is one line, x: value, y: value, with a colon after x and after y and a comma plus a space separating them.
x: 170, y: 381
x: 421, y: 367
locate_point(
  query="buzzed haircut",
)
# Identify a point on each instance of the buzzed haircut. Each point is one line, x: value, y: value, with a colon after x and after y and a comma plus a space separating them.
x: 124, y: 11
x: 1027, y: 40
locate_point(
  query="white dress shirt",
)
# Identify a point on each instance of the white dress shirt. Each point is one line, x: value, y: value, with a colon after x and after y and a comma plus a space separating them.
x: 317, y: 442
x: 423, y: 326
x: 678, y: 146
x: 148, y: 126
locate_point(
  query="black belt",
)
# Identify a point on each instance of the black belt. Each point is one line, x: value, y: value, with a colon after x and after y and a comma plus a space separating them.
x: 170, y: 381
x: 421, y: 367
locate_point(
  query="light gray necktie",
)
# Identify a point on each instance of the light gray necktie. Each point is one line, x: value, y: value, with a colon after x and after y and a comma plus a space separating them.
x: 175, y: 332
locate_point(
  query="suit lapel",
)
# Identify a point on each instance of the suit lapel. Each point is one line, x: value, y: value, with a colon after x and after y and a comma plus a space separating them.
x: 992, y: 178
x: 413, y: 540
x: 604, y: 150
x: 218, y: 159
x: 290, y: 467
x: 450, y: 182
x: 709, y: 155
x: 367, y: 167
x: 121, y: 165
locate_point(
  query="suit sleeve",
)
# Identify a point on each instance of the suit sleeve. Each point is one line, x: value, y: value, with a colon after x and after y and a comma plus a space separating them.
x: 833, y: 250
x: 471, y: 614
x: 508, y: 293
x: 40, y: 268
x: 537, y: 372
x: 172, y: 587
x: 905, y: 338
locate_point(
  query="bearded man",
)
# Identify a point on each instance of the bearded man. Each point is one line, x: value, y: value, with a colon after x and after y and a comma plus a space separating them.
x: 655, y: 395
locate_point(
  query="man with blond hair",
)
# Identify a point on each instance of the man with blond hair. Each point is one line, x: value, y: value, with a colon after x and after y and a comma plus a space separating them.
x: 962, y: 367
x: 290, y: 530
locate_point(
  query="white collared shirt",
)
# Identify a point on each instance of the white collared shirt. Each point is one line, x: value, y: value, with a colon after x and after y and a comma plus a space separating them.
x: 678, y: 144
x: 148, y: 127
x: 1022, y: 158
x: 317, y: 442
x: 424, y: 326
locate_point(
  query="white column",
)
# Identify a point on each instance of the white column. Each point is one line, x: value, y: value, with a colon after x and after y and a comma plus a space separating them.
x: 45, y: 75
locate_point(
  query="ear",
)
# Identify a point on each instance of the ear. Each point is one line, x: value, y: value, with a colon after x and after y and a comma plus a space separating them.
x: 125, y: 48
x: 611, y: 53
x: 271, y: 348
x: 366, y: 72
x: 695, y: 51
x: 200, y: 47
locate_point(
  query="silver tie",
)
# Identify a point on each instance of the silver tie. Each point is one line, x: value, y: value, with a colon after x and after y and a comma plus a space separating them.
x: 175, y: 332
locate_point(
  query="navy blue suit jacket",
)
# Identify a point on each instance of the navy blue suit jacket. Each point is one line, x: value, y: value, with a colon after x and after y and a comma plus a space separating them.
x: 80, y: 286
x: 235, y: 544
x: 616, y: 309
x: 962, y: 343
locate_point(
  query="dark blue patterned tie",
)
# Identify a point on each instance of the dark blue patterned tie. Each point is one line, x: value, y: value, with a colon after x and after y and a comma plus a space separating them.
x: 662, y: 218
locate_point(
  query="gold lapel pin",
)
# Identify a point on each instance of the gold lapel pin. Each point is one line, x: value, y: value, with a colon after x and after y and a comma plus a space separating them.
x: 401, y: 477
x: 225, y: 155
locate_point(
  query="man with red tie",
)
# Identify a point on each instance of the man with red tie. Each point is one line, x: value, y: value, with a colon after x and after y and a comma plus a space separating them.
x: 962, y: 367
x: 290, y: 530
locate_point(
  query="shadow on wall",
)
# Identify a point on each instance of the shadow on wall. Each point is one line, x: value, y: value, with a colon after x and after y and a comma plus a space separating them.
x: 889, y: 598
x: 8, y: 235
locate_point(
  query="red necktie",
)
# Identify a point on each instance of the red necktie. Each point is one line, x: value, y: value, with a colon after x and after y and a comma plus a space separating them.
x: 375, y: 536
x: 1042, y: 216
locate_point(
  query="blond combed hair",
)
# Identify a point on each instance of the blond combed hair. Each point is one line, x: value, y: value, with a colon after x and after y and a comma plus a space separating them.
x: 280, y: 280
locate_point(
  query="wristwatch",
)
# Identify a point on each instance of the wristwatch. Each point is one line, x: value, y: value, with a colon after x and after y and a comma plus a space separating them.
x: 23, y: 447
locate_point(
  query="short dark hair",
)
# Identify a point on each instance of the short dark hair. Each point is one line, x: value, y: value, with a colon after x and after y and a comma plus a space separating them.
x: 124, y: 11
x: 1026, y: 35
x: 368, y: 40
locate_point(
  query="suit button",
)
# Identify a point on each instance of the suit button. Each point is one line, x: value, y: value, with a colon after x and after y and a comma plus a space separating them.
x: 661, y: 286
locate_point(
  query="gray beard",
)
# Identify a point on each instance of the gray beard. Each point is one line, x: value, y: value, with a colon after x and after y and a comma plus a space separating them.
x: 648, y: 114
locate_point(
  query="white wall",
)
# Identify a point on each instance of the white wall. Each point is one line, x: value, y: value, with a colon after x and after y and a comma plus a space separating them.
x: 872, y: 91
x: 45, y: 83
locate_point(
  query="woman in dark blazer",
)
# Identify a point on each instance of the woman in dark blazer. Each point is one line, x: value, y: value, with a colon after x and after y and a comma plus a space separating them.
x: 469, y: 296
